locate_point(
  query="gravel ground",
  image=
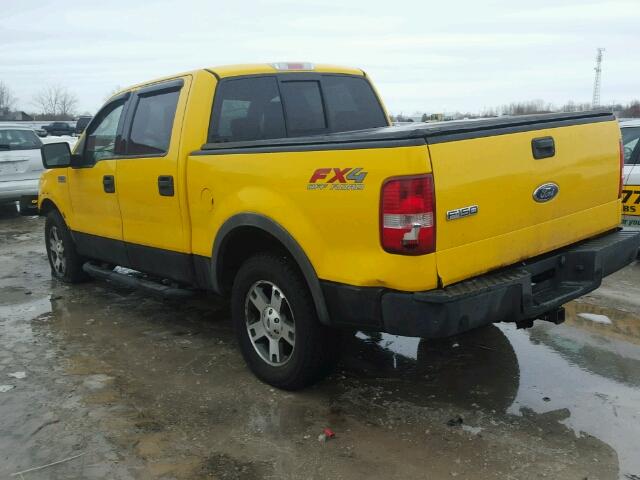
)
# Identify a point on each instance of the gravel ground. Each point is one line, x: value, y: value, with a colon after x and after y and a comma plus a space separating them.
x: 119, y: 385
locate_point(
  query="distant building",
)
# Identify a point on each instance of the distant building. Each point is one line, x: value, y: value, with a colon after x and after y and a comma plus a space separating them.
x: 19, y: 116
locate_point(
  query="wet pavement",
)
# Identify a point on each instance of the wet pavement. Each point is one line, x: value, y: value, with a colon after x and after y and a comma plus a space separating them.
x: 119, y: 385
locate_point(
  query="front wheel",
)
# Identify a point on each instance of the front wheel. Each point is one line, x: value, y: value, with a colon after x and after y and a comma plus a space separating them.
x: 277, y: 328
x: 65, y: 262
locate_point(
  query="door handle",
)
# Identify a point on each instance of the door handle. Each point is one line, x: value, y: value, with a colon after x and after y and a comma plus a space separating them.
x: 543, y: 147
x: 109, y: 184
x: 165, y: 185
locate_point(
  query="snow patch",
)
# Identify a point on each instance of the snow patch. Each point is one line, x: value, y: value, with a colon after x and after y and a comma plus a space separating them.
x: 594, y: 317
x: 471, y: 430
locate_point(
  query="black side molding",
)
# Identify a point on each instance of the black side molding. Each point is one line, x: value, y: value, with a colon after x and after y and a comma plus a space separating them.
x: 230, y: 148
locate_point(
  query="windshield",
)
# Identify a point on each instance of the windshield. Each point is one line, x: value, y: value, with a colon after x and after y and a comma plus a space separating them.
x: 19, y: 140
x: 630, y: 136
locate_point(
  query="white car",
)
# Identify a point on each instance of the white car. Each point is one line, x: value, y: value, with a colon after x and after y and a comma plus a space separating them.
x: 20, y: 163
x: 631, y: 189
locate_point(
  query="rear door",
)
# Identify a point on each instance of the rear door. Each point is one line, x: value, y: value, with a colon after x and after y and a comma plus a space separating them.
x: 150, y: 176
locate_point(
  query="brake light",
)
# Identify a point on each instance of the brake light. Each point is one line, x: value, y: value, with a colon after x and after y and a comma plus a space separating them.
x: 621, y: 170
x: 293, y: 66
x: 407, y: 208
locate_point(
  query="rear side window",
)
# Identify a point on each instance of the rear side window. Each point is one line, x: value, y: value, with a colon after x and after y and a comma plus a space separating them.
x: 247, y: 109
x: 351, y: 104
x: 303, y: 105
x: 152, y: 123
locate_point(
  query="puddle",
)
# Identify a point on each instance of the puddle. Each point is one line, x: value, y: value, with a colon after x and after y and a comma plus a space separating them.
x: 582, y: 366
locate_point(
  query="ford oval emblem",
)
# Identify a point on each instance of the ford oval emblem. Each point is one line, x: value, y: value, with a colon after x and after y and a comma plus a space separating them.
x: 546, y: 192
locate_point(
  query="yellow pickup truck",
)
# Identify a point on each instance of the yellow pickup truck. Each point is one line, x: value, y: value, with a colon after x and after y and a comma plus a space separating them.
x: 285, y: 187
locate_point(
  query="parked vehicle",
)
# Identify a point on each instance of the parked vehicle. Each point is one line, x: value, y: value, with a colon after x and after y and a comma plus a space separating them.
x: 631, y: 191
x: 82, y: 123
x: 41, y: 132
x: 20, y: 163
x: 59, y: 129
x: 285, y: 188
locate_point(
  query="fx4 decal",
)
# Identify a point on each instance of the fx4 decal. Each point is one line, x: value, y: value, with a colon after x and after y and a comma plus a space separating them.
x: 337, y: 179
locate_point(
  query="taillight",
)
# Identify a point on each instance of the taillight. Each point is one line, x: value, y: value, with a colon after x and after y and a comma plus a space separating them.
x: 621, y: 170
x: 407, y: 215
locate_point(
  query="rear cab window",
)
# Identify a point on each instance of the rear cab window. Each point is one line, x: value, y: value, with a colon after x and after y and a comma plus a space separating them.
x: 292, y: 105
x: 303, y: 107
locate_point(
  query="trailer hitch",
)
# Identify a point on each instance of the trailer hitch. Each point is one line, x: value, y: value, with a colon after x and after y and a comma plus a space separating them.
x: 555, y: 316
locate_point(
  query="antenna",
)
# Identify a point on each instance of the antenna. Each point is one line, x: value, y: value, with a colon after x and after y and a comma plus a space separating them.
x: 596, y: 83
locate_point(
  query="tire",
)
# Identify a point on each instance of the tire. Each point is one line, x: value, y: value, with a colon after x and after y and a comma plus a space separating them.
x: 66, y: 264
x: 290, y: 348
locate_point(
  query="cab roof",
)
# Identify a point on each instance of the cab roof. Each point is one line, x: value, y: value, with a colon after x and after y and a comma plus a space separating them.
x: 225, y: 71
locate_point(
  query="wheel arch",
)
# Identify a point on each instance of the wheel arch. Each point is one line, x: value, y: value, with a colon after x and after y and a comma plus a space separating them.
x: 249, y: 228
x: 47, y: 206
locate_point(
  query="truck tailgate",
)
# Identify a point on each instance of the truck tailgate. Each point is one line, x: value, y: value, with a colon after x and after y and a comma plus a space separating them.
x: 497, y: 172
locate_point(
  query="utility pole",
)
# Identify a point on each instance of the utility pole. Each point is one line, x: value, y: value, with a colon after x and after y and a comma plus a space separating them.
x: 596, y: 83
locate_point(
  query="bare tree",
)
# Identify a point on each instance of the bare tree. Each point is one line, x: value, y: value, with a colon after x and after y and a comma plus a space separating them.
x: 56, y: 101
x: 67, y: 103
x: 7, y: 100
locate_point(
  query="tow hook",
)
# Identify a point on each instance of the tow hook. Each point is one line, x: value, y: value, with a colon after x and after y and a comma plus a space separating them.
x: 555, y: 316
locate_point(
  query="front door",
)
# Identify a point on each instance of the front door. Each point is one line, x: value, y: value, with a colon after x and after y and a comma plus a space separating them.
x: 93, y: 187
x: 149, y: 182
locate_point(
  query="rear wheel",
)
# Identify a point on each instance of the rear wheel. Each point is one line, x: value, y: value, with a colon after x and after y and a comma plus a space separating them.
x: 275, y: 321
x: 65, y: 262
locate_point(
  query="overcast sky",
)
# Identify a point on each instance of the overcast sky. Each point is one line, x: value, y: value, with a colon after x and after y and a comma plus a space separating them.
x: 423, y: 55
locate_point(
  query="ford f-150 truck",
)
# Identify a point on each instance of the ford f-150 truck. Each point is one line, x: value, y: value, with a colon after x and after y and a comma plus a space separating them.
x: 285, y: 187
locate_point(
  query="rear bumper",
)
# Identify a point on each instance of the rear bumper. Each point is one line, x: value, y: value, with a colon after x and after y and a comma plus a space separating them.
x: 519, y: 293
x: 12, y: 190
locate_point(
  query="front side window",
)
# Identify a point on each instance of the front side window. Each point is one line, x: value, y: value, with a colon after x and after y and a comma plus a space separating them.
x: 19, y: 140
x: 101, y: 140
x: 152, y: 123
x: 630, y: 144
x: 247, y: 109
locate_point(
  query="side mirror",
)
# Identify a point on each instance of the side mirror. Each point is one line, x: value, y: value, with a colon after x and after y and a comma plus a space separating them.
x: 56, y: 155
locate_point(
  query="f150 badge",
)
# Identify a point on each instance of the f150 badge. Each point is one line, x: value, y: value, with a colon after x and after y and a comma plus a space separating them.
x: 337, y: 179
x: 462, y: 212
